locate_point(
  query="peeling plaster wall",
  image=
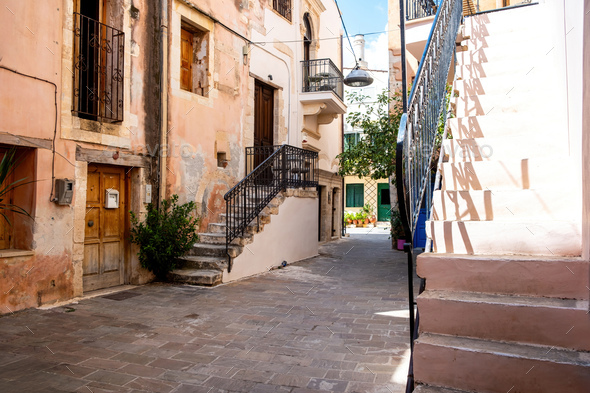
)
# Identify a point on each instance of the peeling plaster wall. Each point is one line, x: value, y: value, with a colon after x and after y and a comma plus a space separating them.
x: 38, y: 40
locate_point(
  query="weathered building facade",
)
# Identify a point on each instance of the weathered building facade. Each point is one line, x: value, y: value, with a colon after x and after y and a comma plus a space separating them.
x: 128, y: 102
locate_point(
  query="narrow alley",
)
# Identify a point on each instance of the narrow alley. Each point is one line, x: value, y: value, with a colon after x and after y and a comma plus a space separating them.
x: 336, y: 322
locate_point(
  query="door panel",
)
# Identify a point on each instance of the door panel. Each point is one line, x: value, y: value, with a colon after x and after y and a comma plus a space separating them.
x: 383, y: 202
x: 105, y: 229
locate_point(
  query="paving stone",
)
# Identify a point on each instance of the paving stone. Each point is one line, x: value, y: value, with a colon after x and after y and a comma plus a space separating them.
x: 310, y: 327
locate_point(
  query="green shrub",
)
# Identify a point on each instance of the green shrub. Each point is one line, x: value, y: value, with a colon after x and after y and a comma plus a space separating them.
x: 165, y: 235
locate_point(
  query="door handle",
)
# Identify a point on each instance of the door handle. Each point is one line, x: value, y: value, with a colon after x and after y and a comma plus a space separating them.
x: 90, y: 223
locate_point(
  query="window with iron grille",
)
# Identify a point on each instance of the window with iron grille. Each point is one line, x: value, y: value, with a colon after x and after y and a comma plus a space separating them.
x: 98, y: 70
x: 283, y: 7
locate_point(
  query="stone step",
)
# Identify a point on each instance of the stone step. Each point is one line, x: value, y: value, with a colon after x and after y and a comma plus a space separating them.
x: 436, y: 389
x: 219, y: 228
x: 536, y: 51
x: 504, y: 125
x: 561, y: 238
x: 513, y: 205
x: 490, y: 366
x: 264, y: 218
x: 503, y: 148
x: 510, y: 174
x: 507, y: 68
x: 196, y: 276
x: 535, y: 320
x: 524, y: 275
x: 198, y: 262
x: 219, y: 238
x: 213, y: 250
x: 482, y: 25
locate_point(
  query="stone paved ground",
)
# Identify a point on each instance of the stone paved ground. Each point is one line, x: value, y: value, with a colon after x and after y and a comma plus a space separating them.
x: 314, y: 326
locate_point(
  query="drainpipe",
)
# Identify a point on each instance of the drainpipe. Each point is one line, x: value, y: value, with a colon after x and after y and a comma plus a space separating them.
x: 342, y: 226
x: 163, y: 98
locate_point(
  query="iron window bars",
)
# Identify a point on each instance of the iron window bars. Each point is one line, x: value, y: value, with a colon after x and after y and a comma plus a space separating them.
x: 98, y: 70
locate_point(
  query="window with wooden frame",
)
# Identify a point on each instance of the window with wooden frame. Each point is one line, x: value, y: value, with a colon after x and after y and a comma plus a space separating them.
x: 283, y: 7
x: 194, y: 60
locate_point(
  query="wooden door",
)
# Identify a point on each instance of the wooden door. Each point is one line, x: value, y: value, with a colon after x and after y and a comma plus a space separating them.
x: 263, y: 115
x: 104, y: 237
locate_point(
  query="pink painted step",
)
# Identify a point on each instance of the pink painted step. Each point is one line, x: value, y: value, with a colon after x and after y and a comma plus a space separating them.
x: 489, y: 366
x: 535, y: 320
x: 523, y: 275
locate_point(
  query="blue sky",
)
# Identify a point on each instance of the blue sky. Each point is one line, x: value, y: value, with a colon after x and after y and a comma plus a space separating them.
x: 367, y: 16
x: 364, y: 16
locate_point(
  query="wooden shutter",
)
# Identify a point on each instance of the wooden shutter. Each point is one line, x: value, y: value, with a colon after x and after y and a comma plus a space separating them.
x: 186, y: 59
x: 355, y: 195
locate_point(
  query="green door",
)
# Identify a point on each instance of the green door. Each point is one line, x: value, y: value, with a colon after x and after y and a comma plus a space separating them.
x: 383, y: 202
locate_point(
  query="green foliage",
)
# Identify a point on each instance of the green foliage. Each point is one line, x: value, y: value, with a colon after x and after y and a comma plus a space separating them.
x: 349, y: 216
x: 166, y: 234
x: 373, y: 155
x: 368, y: 209
x: 7, y: 166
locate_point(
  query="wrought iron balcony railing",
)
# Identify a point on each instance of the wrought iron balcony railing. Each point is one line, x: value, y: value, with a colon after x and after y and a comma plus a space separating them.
x: 280, y: 167
x: 322, y: 75
x: 98, y: 70
x: 416, y: 9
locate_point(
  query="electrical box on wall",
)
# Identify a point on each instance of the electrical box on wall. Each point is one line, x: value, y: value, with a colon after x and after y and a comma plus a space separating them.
x: 111, y: 199
x: 64, y: 191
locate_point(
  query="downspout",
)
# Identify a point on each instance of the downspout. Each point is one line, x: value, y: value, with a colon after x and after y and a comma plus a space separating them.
x: 163, y: 98
x: 343, y: 227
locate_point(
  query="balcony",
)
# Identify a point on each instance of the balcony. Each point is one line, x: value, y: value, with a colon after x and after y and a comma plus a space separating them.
x: 417, y: 9
x: 322, y: 89
x: 98, y: 70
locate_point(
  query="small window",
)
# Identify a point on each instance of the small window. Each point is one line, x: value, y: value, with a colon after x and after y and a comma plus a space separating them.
x: 350, y: 140
x: 355, y: 195
x: 194, y: 60
x: 283, y: 7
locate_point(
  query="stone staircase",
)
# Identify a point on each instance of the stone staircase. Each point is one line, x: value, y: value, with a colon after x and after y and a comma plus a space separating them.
x: 506, y: 302
x: 206, y: 262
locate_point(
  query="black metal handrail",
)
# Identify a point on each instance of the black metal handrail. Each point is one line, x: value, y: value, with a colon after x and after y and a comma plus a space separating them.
x: 322, y: 75
x: 99, y: 52
x: 286, y: 167
x: 416, y: 9
x: 417, y: 133
x: 256, y: 155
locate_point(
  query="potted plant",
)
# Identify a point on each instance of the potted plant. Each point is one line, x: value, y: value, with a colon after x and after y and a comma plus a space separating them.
x: 397, y: 229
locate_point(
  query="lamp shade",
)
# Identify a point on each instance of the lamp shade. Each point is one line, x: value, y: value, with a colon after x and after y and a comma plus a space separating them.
x: 358, y: 78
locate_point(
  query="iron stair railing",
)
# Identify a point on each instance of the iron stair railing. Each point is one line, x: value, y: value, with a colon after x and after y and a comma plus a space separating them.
x: 280, y: 167
x: 418, y: 130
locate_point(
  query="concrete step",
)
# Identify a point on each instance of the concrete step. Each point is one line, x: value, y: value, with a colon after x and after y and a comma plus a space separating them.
x: 503, y: 148
x: 219, y: 238
x: 528, y: 105
x: 561, y: 238
x: 524, y: 275
x: 199, y: 262
x: 482, y: 25
x: 535, y: 320
x: 515, y: 83
x: 536, y: 51
x: 196, y: 276
x: 504, y: 125
x: 490, y: 366
x: 510, y: 174
x: 513, y: 205
x: 214, y: 250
